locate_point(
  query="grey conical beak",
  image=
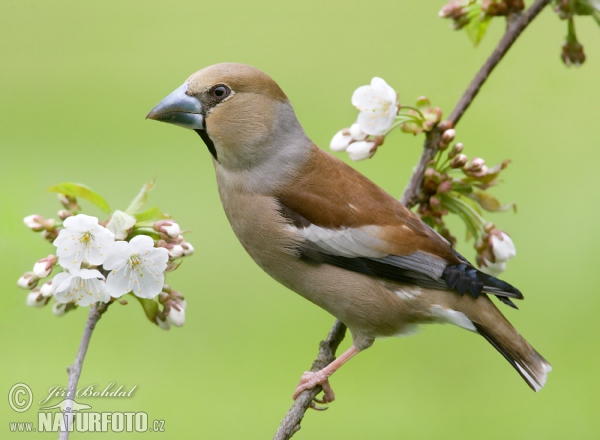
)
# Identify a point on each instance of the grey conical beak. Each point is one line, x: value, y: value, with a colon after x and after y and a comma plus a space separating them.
x: 179, y: 109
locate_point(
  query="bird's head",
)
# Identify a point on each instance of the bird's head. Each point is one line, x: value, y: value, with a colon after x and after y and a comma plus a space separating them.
x: 242, y: 115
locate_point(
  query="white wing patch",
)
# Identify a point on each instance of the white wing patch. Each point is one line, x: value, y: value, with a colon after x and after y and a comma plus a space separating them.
x: 408, y: 292
x: 452, y: 317
x: 351, y: 243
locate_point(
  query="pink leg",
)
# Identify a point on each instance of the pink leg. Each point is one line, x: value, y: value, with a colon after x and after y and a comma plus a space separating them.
x: 311, y: 379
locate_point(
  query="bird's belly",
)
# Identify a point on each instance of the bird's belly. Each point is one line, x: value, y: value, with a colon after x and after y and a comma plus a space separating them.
x: 369, y: 308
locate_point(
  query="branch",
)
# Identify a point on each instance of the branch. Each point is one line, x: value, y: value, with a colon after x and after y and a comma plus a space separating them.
x: 517, y: 23
x: 291, y: 422
x: 74, y: 370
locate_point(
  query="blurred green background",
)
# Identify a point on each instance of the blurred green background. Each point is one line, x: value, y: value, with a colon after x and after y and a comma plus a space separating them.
x: 76, y: 82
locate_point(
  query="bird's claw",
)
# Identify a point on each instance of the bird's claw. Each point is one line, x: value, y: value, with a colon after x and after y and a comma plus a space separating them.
x: 311, y: 379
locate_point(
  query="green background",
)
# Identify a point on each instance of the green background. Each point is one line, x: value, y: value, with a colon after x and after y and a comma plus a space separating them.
x: 76, y: 81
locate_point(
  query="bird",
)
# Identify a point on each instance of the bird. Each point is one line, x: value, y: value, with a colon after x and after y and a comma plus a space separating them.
x: 327, y: 232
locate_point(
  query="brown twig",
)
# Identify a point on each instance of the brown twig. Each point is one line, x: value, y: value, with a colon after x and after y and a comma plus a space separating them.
x: 291, y: 422
x: 518, y: 22
x: 74, y: 371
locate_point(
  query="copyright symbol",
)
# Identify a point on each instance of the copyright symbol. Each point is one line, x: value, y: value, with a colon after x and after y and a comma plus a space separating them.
x: 20, y: 397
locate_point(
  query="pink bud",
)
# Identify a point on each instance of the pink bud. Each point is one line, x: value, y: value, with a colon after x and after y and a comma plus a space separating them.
x: 459, y: 161
x: 448, y: 136
x: 34, y: 222
x: 64, y: 214
x: 168, y: 227
x: 444, y: 187
x: 188, y: 249
x: 43, y: 267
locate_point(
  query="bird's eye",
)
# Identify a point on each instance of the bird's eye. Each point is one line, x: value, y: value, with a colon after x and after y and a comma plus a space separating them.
x: 220, y: 92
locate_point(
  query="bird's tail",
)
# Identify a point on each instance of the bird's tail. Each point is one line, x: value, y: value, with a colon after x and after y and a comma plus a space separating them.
x: 532, y: 367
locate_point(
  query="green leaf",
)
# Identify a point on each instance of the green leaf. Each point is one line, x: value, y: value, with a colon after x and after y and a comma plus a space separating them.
x: 150, y: 308
x: 140, y: 200
x: 488, y: 201
x: 459, y: 206
x: 81, y: 191
x: 477, y: 25
x: 150, y: 214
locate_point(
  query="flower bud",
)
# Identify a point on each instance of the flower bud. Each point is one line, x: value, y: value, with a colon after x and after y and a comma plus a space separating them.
x: 459, y: 161
x: 28, y: 281
x: 69, y: 202
x: 477, y: 163
x: 444, y: 187
x: 445, y: 125
x: 34, y: 222
x: 502, y: 246
x: 46, y: 289
x: 188, y: 249
x: 50, y: 235
x: 162, y: 323
x: 43, y: 267
x: 356, y: 133
x: 168, y: 227
x: 361, y: 150
x: 572, y: 53
x: 36, y: 299
x: 341, y: 140
x: 423, y: 101
x: 175, y: 251
x: 448, y: 136
x: 456, y: 149
x: 452, y: 9
x: 59, y: 309
x: 493, y: 269
x: 176, y: 314
x: 63, y: 214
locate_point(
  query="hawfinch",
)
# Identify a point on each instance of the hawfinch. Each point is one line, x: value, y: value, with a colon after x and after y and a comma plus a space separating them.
x: 327, y: 232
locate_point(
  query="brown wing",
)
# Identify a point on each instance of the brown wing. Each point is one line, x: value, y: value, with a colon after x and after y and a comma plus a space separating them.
x: 348, y: 221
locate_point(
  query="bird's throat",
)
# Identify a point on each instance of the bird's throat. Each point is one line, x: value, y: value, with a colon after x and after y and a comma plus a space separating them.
x: 209, y: 143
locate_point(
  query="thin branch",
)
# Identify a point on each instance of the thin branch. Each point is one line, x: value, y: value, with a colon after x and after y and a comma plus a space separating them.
x: 516, y: 26
x: 74, y: 371
x: 291, y: 422
x: 517, y: 23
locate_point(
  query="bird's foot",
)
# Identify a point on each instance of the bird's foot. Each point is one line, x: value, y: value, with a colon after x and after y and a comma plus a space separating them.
x: 310, y: 380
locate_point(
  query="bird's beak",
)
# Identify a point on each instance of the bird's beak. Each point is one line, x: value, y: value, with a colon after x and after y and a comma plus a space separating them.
x: 180, y: 109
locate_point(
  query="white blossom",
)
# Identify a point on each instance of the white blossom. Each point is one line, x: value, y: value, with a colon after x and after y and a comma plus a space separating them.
x: 361, y: 150
x: 136, y: 266
x: 83, y: 239
x: 377, y: 105
x: 340, y: 140
x: 82, y: 287
x: 120, y: 223
x: 503, y: 248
